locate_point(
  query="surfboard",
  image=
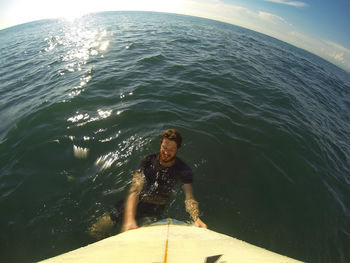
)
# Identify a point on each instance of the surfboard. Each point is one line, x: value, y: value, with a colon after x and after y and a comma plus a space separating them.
x: 171, y: 241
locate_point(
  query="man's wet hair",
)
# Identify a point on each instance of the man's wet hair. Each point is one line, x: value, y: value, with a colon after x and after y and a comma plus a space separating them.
x: 172, y: 135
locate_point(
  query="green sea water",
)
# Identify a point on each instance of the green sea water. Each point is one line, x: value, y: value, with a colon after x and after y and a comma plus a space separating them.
x: 265, y: 127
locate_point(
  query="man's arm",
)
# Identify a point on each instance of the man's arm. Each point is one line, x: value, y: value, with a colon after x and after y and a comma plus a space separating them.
x: 129, y: 221
x: 192, y: 206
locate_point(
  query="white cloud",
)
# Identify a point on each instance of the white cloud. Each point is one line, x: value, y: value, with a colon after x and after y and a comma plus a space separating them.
x: 272, y: 18
x: 326, y: 49
x: 339, y: 57
x: 287, y: 2
x: 337, y: 46
x: 297, y: 37
x: 336, y: 51
x: 238, y: 15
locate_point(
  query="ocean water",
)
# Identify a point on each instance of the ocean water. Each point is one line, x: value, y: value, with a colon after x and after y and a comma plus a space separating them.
x: 266, y: 130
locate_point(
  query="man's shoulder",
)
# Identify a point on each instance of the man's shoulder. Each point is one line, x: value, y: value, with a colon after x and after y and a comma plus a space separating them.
x: 182, y: 165
x: 185, y: 171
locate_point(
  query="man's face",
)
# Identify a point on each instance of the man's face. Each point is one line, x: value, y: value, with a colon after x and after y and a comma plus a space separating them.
x: 168, y: 150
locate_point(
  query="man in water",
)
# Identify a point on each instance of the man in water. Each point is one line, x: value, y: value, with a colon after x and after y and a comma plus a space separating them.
x: 156, y: 176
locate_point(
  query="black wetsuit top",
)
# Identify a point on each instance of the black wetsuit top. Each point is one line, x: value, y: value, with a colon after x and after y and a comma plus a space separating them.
x: 159, y: 180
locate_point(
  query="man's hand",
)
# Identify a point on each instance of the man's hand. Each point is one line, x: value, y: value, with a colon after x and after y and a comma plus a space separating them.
x: 129, y: 225
x: 200, y: 223
x: 192, y: 206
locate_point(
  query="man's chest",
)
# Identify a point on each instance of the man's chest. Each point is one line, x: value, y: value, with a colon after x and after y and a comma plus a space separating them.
x: 161, y: 175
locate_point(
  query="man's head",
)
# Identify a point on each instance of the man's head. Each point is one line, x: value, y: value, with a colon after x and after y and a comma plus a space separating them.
x: 172, y: 135
x: 170, y: 143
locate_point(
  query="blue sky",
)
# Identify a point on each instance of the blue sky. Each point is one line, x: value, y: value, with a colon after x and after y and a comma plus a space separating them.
x: 321, y: 27
x: 327, y: 19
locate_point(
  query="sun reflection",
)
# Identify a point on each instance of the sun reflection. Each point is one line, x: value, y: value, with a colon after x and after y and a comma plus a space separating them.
x: 75, y: 43
x: 124, y: 149
x: 83, y: 81
x: 110, y: 138
x: 123, y: 95
x: 104, y: 114
x: 52, y: 42
x: 100, y: 130
x: 107, y: 160
x: 80, y: 152
x: 104, y: 45
x: 78, y: 117
x: 83, y: 118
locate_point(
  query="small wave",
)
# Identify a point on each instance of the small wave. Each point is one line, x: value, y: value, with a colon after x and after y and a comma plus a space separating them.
x: 132, y: 45
x: 185, y: 41
x: 153, y: 59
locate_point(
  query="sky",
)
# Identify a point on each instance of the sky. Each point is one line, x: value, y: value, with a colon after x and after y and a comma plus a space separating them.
x: 321, y: 27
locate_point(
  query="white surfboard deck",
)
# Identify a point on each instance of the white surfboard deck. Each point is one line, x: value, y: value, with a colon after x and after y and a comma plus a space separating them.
x: 170, y: 242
